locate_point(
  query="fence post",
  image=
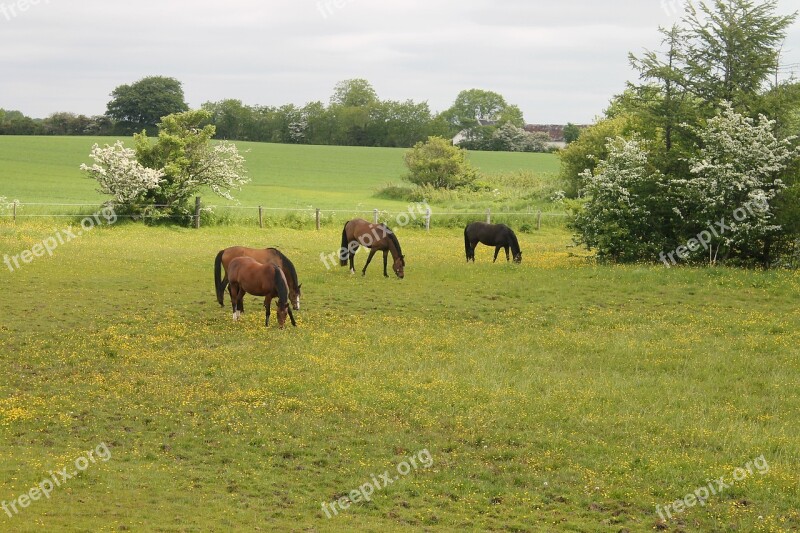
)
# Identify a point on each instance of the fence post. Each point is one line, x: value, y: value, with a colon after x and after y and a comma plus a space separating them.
x: 427, y: 219
x: 260, y: 217
x: 375, y: 215
x: 488, y: 216
x: 318, y: 219
x: 15, y: 211
x: 196, y: 212
x: 539, y: 220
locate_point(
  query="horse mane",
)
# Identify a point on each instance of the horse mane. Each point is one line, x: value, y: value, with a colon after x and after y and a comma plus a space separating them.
x: 393, y: 238
x: 288, y: 266
x: 514, y: 242
x: 280, y: 284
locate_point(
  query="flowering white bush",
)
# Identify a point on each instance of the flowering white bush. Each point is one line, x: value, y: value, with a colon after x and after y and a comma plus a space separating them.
x: 119, y: 173
x: 737, y: 165
x: 617, y: 218
x: 158, y: 179
x: 223, y: 170
x: 634, y: 212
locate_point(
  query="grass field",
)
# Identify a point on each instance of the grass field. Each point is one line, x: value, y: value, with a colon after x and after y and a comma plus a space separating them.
x: 554, y: 395
x: 46, y: 169
x: 551, y: 396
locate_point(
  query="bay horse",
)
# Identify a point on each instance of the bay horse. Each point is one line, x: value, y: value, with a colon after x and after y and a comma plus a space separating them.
x: 497, y: 235
x: 248, y: 276
x: 262, y: 255
x: 376, y: 237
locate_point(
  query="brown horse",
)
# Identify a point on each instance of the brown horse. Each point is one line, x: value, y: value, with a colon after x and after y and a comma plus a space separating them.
x: 246, y: 275
x: 359, y: 232
x: 262, y: 255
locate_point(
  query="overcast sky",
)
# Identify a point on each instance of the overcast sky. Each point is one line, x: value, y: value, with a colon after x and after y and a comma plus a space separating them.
x: 558, y: 60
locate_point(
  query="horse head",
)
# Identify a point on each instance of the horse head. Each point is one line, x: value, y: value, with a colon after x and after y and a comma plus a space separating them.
x: 399, y: 265
x: 283, y: 312
x: 518, y: 257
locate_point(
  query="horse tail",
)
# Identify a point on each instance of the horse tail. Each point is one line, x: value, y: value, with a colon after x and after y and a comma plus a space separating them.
x: 343, y: 249
x: 218, y: 284
x: 280, y: 284
x: 467, y: 246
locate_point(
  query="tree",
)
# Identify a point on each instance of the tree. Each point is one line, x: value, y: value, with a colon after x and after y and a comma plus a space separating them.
x: 437, y: 163
x: 231, y: 118
x: 189, y: 161
x: 141, y: 105
x: 617, y: 218
x: 159, y: 177
x: 474, y: 105
x: 479, y: 113
x: 733, y: 49
x: 708, y: 164
x: 571, y: 133
x: 66, y: 124
x: 357, y: 92
x: 734, y: 179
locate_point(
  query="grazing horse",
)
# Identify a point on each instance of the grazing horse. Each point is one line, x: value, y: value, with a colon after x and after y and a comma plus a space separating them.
x: 497, y: 235
x: 246, y: 275
x: 376, y: 237
x: 262, y: 255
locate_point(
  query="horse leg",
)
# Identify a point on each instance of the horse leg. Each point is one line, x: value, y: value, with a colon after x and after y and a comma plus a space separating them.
x: 385, y: 258
x: 496, y: 251
x: 291, y: 316
x: 225, y: 285
x: 267, y: 305
x: 353, y: 260
x: 234, y: 293
x: 371, y: 254
x: 508, y: 258
x: 472, y: 246
x: 240, y: 306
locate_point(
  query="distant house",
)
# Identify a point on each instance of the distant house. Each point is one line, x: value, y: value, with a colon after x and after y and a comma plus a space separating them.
x: 555, y: 131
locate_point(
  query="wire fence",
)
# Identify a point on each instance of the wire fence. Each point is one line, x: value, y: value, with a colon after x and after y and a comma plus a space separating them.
x: 419, y: 214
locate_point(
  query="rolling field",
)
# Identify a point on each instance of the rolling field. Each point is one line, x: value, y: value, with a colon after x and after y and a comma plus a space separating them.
x: 553, y: 395
x: 46, y: 169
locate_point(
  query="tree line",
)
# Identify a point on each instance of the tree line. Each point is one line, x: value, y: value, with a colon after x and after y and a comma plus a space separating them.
x: 353, y: 116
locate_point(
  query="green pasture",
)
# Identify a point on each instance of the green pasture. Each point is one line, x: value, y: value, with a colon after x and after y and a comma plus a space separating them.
x: 554, y: 395
x: 46, y: 170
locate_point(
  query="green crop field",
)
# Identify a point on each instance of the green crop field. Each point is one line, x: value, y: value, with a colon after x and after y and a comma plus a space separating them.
x: 553, y: 395
x: 46, y: 169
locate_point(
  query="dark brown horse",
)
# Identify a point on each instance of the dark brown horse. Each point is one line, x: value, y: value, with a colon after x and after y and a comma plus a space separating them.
x: 497, y: 235
x: 376, y: 237
x: 246, y: 275
x: 262, y: 255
